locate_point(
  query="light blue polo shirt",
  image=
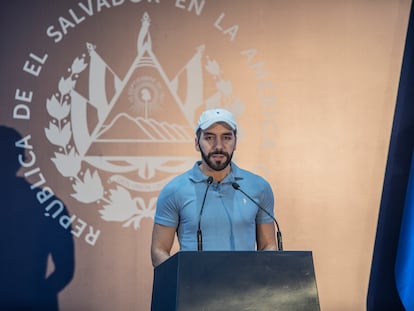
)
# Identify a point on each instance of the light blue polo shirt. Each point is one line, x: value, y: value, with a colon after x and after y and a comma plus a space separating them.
x: 229, y: 218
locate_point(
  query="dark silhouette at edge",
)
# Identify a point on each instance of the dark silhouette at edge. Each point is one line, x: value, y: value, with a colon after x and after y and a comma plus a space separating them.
x: 29, y: 236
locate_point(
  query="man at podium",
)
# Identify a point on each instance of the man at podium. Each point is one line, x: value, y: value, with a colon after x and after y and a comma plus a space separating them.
x: 215, y: 205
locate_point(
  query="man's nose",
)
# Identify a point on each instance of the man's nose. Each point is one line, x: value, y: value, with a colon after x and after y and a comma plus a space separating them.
x: 220, y: 144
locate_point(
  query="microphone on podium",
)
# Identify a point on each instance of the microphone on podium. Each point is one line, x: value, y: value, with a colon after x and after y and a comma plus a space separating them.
x: 236, y: 186
x: 199, y: 233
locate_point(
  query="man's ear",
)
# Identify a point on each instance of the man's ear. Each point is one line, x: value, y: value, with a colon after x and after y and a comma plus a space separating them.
x: 196, y: 144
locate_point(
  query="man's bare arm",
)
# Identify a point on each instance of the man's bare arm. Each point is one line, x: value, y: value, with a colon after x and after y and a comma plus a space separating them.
x: 265, y: 237
x: 162, y: 241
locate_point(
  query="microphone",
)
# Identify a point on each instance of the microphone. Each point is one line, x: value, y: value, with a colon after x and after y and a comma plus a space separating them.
x: 236, y: 186
x: 199, y: 233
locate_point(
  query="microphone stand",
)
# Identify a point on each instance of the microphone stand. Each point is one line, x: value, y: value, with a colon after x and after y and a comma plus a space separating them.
x: 199, y: 233
x: 236, y: 186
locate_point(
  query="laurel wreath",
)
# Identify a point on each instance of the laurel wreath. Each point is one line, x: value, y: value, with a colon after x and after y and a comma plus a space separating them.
x: 118, y: 205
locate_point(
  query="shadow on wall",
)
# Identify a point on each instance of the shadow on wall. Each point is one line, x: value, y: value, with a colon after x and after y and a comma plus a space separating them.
x: 29, y: 236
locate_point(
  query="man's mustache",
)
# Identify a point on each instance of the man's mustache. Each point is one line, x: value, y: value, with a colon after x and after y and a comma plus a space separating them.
x: 218, y: 152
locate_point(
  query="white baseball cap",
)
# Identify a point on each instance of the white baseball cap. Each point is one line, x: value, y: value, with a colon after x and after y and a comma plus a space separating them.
x: 211, y: 116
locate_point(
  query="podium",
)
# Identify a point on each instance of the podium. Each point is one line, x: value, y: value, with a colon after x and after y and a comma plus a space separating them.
x: 236, y: 280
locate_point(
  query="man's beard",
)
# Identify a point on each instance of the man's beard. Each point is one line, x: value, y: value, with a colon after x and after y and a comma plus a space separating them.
x: 216, y: 165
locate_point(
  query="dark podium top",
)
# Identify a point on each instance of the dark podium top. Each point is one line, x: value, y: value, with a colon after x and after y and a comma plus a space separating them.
x: 236, y: 280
